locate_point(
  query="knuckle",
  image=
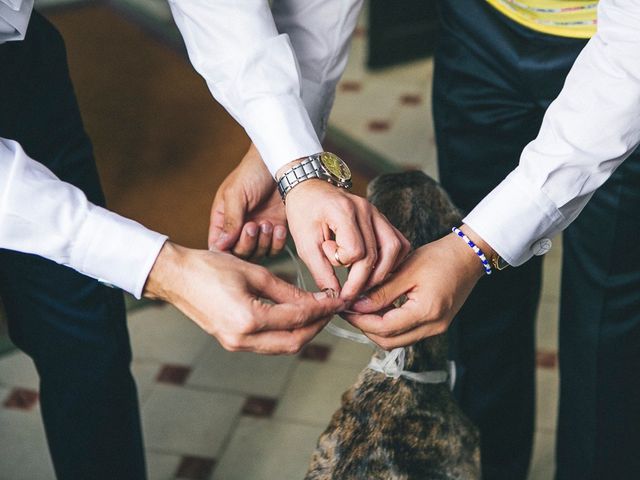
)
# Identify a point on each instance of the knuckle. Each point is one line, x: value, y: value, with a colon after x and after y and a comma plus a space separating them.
x: 231, y: 343
x: 294, y: 348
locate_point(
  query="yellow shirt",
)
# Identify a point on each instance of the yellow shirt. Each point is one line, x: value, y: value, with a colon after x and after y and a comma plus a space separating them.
x: 565, y: 18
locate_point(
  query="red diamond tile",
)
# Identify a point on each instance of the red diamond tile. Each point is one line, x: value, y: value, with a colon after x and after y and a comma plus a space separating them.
x: 21, y: 399
x: 411, y: 99
x: 173, y: 374
x: 315, y: 353
x: 378, y: 126
x: 195, y: 468
x: 350, y: 86
x: 259, y: 406
x: 546, y: 359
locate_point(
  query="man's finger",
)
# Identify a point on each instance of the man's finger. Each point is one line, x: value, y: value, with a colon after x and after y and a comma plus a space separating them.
x: 385, y: 294
x: 411, y: 337
x: 390, y: 248
x: 216, y: 222
x: 362, y: 269
x: 279, y: 240
x: 321, y: 270
x: 247, y: 242
x: 283, y: 341
x: 393, y: 322
x: 234, y: 211
x: 265, y: 239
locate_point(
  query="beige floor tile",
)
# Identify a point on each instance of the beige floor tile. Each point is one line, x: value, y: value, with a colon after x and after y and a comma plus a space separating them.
x: 351, y: 353
x: 241, y: 372
x: 162, y: 466
x: 546, y: 399
x: 17, y: 370
x: 24, y: 454
x: 144, y: 374
x: 184, y: 421
x: 551, y: 277
x: 164, y: 335
x: 547, y: 325
x: 543, y: 462
x: 314, y: 392
x: 267, y: 450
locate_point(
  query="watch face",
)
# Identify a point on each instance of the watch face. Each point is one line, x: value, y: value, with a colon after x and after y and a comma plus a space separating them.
x: 335, y: 166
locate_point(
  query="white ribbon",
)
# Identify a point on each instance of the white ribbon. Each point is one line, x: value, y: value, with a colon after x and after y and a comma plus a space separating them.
x: 392, y: 364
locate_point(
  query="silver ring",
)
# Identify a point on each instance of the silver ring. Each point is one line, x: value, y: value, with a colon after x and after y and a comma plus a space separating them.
x: 337, y: 257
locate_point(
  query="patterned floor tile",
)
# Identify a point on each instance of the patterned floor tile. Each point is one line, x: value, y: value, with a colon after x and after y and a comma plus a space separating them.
x: 547, y: 325
x: 547, y: 399
x: 162, y: 466
x: 21, y: 399
x: 543, y: 461
x: 259, y: 407
x: 17, y: 369
x: 173, y: 374
x: 314, y: 392
x: 315, y: 352
x: 24, y: 454
x: 145, y: 373
x: 180, y: 420
x: 241, y: 372
x: 195, y: 468
x: 277, y: 450
x: 163, y: 334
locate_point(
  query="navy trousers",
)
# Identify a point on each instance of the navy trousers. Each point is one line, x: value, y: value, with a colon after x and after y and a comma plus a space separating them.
x: 72, y: 327
x: 493, y: 81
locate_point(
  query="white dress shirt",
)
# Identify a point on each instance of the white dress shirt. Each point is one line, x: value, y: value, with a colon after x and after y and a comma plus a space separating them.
x: 247, y: 54
x: 275, y: 71
x: 42, y: 215
x: 587, y: 132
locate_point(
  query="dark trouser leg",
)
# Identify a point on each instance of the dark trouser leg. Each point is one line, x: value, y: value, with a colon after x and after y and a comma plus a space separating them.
x: 73, y: 327
x: 488, y: 104
x: 599, y: 421
x: 481, y: 127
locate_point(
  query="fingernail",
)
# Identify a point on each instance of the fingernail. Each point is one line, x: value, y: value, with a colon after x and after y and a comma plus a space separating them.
x: 266, y: 228
x: 222, y: 238
x: 280, y: 232
x: 330, y: 292
x: 252, y: 230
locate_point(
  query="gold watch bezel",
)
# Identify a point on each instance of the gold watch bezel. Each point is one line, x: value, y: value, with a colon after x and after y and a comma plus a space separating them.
x: 335, y: 166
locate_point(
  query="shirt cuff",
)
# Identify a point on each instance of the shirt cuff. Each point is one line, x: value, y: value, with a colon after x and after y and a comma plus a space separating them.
x: 280, y: 128
x: 116, y: 250
x: 516, y: 219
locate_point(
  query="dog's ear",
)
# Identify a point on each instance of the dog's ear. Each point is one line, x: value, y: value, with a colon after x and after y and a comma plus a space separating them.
x: 415, y: 204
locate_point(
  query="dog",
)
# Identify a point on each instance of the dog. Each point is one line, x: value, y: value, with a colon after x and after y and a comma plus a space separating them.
x: 396, y: 428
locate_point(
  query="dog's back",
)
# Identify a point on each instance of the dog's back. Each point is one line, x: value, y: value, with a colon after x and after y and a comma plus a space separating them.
x: 395, y: 428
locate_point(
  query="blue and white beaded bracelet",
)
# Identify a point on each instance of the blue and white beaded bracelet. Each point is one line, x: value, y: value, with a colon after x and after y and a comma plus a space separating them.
x: 475, y: 248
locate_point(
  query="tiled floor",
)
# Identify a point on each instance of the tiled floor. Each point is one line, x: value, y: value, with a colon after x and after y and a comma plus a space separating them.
x: 211, y: 414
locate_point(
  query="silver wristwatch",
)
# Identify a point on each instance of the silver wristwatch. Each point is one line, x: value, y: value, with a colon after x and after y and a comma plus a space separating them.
x: 325, y: 166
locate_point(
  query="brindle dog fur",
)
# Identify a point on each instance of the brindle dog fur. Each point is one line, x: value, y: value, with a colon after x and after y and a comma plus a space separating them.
x: 398, y: 429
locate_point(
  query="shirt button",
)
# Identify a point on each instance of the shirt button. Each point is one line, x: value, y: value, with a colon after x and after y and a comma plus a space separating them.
x: 541, y: 247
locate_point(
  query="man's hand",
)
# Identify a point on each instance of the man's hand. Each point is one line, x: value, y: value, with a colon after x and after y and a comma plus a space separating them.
x: 436, y: 279
x: 222, y: 295
x: 247, y: 215
x: 333, y: 227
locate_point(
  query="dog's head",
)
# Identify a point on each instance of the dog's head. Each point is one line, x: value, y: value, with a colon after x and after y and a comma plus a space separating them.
x: 415, y: 204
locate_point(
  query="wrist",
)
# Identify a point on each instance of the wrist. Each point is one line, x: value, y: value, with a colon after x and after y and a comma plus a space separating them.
x: 474, y: 250
x: 162, y: 276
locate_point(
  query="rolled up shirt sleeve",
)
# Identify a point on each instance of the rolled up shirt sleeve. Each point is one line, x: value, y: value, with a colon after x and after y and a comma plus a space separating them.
x: 42, y: 215
x: 251, y: 69
x: 320, y: 33
x: 587, y: 132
